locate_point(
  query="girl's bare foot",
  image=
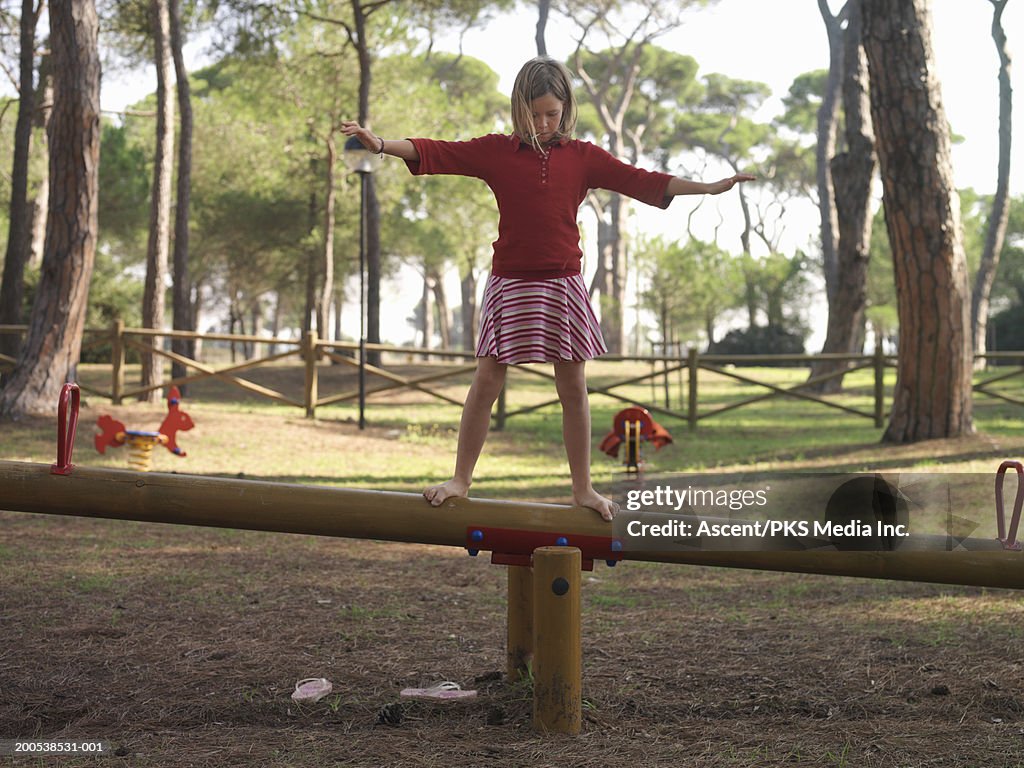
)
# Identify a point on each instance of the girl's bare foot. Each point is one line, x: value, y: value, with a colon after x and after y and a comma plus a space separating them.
x: 438, y: 494
x: 592, y: 499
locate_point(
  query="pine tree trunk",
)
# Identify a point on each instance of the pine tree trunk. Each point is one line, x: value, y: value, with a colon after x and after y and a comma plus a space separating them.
x: 182, y: 319
x: 275, y: 322
x: 852, y: 172
x: 922, y: 214
x: 373, y: 269
x: 160, y: 202
x: 339, y: 300
x: 197, y: 312
x: 616, y: 326
x: 12, y: 287
x: 255, y: 329
x: 444, y: 325
x: 54, y: 338
x: 469, y: 311
x: 311, y: 257
x: 1001, y: 202
x: 608, y: 280
x: 828, y: 119
x: 323, y: 302
x: 427, y: 316
x: 360, y: 14
x: 41, y: 201
x: 543, y: 8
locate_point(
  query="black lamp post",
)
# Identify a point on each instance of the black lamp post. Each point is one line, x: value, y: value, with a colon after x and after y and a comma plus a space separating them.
x: 360, y: 160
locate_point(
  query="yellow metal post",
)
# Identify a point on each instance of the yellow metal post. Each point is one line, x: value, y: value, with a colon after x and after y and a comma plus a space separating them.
x: 557, y: 662
x: 520, y: 622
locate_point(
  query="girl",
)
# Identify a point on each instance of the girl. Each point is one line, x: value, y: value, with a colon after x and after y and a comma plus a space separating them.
x: 535, y: 305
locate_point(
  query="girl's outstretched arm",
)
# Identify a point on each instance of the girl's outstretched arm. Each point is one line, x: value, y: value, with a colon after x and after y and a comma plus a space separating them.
x: 402, y: 148
x: 680, y: 186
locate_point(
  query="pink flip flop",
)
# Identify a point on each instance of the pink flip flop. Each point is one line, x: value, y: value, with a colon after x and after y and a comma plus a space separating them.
x: 442, y: 691
x: 312, y: 689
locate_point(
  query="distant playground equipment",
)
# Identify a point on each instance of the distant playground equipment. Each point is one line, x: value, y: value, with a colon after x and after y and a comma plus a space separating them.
x: 547, y: 546
x: 140, y: 444
x: 632, y: 427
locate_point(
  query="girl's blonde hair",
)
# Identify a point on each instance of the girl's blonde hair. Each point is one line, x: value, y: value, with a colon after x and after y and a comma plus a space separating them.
x: 538, y: 77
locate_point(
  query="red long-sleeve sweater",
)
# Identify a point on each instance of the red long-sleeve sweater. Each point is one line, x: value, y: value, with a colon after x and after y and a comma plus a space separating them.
x: 538, y: 195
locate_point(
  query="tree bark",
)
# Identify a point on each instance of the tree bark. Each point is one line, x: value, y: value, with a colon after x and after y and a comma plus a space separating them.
x: 543, y: 8
x: 54, y: 338
x: 427, y: 316
x: 339, y: 301
x: 1001, y: 202
x: 444, y: 325
x: 275, y: 321
x: 323, y: 303
x: 255, y: 329
x: 39, y: 205
x: 611, y: 228
x: 373, y: 264
x: 373, y: 269
x: 182, y: 319
x: 852, y: 172
x: 468, y: 286
x: 309, y: 308
x: 197, y: 312
x: 12, y: 287
x: 922, y: 215
x: 160, y: 201
x: 828, y: 118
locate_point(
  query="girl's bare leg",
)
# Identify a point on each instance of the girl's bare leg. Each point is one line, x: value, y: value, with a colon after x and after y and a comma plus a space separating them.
x: 476, y: 421
x: 571, y: 383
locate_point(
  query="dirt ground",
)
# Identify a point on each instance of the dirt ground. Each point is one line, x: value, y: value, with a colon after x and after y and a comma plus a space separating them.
x: 180, y: 647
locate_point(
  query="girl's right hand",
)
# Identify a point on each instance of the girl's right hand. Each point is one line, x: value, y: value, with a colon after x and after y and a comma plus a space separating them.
x: 367, y: 138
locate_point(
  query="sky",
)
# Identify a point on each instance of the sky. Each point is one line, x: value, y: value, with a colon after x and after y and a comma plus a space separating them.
x: 772, y: 42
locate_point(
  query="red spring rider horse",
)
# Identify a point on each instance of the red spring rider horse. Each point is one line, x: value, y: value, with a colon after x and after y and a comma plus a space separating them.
x: 113, y: 434
x: 631, y: 427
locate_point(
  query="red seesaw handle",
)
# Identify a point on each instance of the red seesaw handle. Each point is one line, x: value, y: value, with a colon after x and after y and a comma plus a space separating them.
x: 66, y: 425
x: 1009, y: 539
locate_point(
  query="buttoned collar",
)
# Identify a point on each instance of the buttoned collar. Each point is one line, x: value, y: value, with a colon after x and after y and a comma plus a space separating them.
x: 518, y: 143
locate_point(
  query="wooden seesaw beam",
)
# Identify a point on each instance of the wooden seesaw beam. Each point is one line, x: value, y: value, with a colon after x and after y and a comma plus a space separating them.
x: 543, y: 600
x: 264, y: 506
x: 360, y: 514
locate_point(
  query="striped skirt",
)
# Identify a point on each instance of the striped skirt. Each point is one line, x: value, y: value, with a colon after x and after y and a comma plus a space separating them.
x: 538, y: 321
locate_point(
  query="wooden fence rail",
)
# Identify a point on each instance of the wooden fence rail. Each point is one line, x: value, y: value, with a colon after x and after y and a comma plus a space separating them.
x: 311, y: 351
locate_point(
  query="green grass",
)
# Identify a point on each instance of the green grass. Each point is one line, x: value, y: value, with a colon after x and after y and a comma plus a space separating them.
x: 411, y: 437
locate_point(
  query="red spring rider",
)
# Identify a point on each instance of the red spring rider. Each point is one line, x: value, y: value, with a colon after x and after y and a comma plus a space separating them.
x: 631, y: 427
x: 113, y: 434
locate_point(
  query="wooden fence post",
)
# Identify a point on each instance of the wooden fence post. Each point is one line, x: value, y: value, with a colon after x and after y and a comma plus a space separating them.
x: 879, y: 386
x: 309, y: 353
x: 116, y: 361
x: 691, y: 403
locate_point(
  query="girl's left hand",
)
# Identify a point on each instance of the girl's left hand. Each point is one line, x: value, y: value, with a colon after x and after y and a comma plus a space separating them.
x: 718, y: 187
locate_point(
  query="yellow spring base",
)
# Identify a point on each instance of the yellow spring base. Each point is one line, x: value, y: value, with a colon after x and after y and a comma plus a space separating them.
x: 140, y: 447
